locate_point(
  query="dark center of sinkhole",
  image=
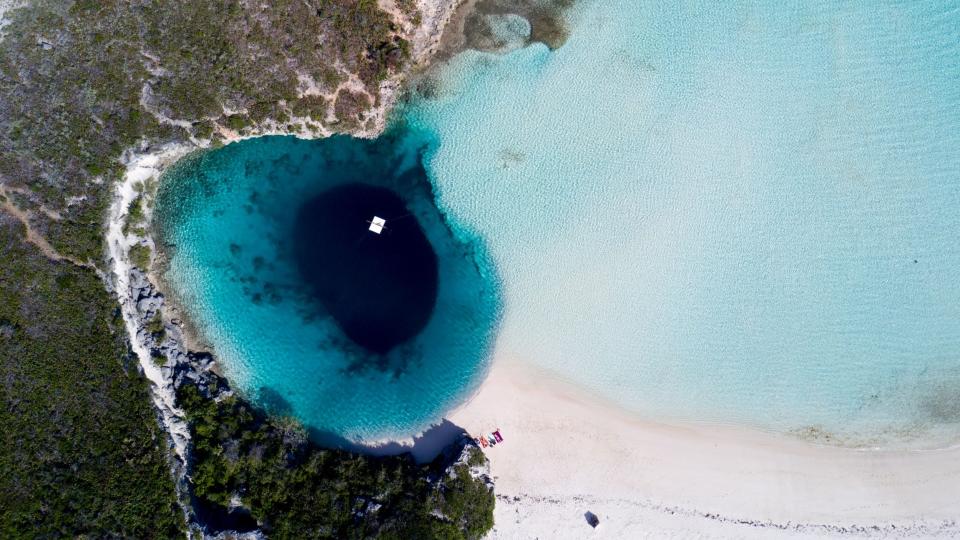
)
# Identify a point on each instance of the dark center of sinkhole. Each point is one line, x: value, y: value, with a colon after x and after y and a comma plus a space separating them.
x: 380, y: 288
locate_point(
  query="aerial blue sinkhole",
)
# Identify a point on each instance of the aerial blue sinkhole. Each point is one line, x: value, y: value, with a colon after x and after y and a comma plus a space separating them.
x: 693, y: 217
x: 361, y: 334
x: 380, y: 285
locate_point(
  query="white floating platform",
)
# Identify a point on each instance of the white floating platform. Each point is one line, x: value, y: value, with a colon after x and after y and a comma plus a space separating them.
x: 377, y: 224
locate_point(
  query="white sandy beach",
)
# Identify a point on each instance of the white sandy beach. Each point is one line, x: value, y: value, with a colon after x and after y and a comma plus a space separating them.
x: 566, y: 453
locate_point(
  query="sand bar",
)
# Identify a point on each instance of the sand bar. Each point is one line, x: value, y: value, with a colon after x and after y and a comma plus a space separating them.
x: 566, y: 452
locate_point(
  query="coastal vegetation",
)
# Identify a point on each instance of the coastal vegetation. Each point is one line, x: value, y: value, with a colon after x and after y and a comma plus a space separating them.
x: 81, y: 450
x: 466, y: 503
x: 294, y: 489
x: 83, y: 83
x: 140, y: 255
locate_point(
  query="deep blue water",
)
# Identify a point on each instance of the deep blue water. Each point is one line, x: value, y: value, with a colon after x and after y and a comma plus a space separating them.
x: 380, y: 287
x: 739, y: 212
x: 358, y: 334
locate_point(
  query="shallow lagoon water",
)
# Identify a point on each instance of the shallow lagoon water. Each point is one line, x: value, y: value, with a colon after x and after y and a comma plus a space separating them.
x: 739, y: 214
x: 742, y: 213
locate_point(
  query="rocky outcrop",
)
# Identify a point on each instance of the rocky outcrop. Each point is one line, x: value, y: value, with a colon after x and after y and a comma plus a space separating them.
x: 166, y: 343
x: 464, y: 452
x: 462, y: 490
x: 160, y: 341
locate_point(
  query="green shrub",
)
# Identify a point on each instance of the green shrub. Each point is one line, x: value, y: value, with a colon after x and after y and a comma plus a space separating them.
x: 156, y: 328
x: 467, y: 503
x: 140, y: 256
x: 297, y: 489
x: 135, y: 217
x: 81, y: 451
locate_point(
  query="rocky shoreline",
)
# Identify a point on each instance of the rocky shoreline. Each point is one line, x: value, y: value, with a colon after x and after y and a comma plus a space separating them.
x: 168, y: 347
x: 164, y: 345
x: 140, y: 303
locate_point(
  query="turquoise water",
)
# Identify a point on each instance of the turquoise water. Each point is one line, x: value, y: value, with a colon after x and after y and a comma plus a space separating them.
x: 742, y: 214
x: 229, y: 217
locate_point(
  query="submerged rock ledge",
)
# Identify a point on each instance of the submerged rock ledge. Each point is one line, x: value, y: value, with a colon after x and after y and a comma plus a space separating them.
x: 161, y: 341
x: 160, y: 335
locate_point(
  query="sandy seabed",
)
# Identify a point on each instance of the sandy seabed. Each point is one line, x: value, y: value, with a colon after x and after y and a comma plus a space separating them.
x: 566, y: 453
